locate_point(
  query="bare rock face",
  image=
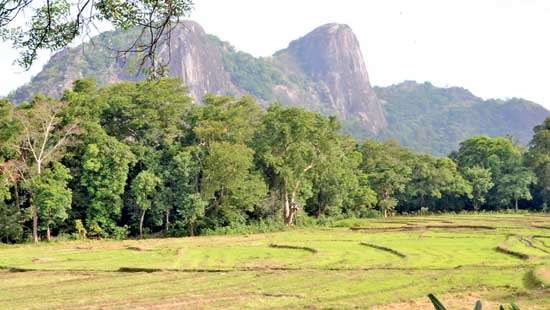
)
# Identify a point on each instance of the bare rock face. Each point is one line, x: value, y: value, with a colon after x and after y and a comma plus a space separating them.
x: 331, y: 57
x: 324, y: 72
x: 197, y: 61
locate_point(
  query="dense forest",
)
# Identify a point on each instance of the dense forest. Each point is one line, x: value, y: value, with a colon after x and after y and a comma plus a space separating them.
x: 135, y: 159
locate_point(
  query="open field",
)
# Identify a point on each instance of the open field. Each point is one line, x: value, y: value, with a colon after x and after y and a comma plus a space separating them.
x: 386, y: 264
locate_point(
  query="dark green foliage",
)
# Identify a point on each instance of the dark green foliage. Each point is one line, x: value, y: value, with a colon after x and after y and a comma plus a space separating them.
x: 140, y: 158
x: 255, y: 75
x: 11, y: 224
x: 51, y: 194
x: 538, y: 158
x: 104, y: 172
x: 11, y: 219
x: 504, y: 160
x: 143, y: 188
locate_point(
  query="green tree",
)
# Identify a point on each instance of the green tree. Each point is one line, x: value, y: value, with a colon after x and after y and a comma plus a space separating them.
x: 292, y: 144
x: 190, y: 212
x: 146, y: 115
x: 45, y: 132
x: 11, y: 218
x: 501, y: 157
x: 388, y: 170
x: 144, y: 188
x: 9, y: 130
x: 104, y: 171
x: 486, y: 152
x: 154, y: 119
x: 338, y: 184
x: 178, y: 195
x: 230, y: 182
x: 538, y: 158
x: 227, y: 119
x: 481, y: 182
x: 434, y: 177
x: 515, y: 185
x: 225, y: 127
x: 50, y: 192
x: 11, y: 226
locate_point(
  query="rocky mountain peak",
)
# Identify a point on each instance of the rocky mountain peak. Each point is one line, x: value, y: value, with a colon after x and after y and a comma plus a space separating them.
x: 331, y: 55
x: 197, y: 61
x: 323, y: 71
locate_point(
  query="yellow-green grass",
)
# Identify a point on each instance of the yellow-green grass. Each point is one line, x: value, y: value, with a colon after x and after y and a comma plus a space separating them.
x: 323, y: 268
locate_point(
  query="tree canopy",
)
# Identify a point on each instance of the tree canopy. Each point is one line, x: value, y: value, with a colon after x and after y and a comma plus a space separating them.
x: 142, y: 158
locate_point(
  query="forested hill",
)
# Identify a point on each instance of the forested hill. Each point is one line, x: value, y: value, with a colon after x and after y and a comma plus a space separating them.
x: 323, y: 71
x: 435, y: 120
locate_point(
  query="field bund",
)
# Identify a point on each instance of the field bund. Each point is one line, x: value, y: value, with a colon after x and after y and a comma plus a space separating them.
x: 386, y: 264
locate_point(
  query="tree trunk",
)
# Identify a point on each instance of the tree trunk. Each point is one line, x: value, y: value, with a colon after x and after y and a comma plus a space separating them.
x: 167, y: 221
x: 516, y: 204
x: 291, y: 218
x: 17, y: 199
x: 293, y: 206
x: 286, y: 210
x: 385, y: 196
x: 35, y: 210
x: 35, y: 225
x: 48, y: 233
x: 141, y: 224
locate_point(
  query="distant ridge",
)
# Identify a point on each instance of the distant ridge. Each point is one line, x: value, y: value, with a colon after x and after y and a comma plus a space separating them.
x: 323, y: 71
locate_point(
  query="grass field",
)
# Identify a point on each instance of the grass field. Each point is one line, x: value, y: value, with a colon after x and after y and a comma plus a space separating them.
x: 381, y: 264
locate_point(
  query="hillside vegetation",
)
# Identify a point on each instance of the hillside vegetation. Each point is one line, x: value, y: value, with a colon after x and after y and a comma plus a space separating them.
x: 313, y: 73
x: 435, y: 120
x: 138, y: 159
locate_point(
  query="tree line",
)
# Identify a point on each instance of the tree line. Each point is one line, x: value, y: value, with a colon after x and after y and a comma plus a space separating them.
x: 131, y: 159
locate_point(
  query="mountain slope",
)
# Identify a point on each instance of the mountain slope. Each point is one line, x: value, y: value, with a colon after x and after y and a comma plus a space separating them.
x: 434, y: 120
x: 330, y: 56
x: 323, y: 71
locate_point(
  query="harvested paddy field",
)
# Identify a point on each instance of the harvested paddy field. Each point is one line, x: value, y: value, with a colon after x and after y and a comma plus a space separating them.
x: 379, y: 263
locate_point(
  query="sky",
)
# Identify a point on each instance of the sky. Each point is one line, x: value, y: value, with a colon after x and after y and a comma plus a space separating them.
x: 494, y: 48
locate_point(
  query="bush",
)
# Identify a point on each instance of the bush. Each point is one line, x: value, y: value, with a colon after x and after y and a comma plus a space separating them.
x: 370, y: 213
x: 120, y: 233
x: 261, y: 226
x: 80, y: 229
